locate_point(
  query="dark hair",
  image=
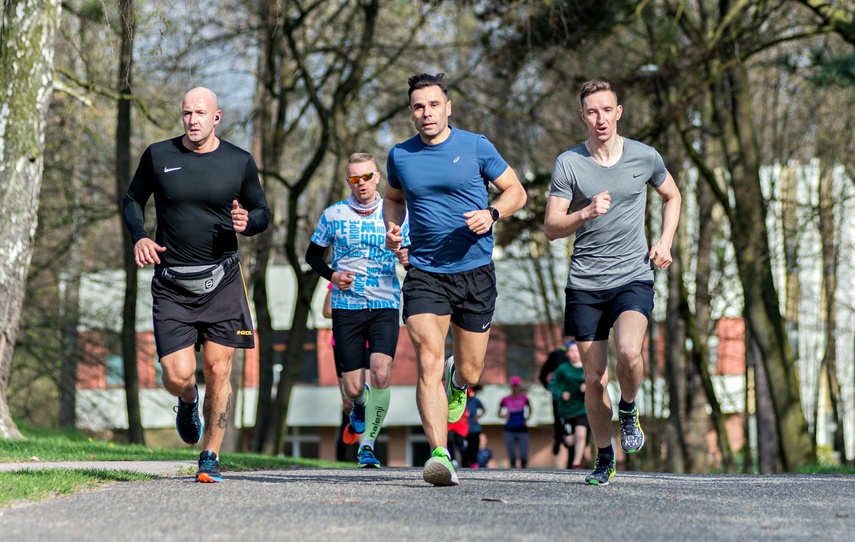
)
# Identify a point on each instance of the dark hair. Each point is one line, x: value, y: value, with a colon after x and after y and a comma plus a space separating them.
x: 425, y: 80
x: 596, y: 85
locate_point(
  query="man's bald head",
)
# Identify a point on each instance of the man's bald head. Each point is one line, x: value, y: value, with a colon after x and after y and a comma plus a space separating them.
x: 200, y: 113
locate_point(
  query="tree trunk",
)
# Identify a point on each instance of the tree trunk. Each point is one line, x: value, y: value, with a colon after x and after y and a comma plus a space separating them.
x: 27, y: 33
x: 678, y: 458
x: 123, y: 180
x: 751, y: 242
x: 767, y: 434
x: 828, y: 234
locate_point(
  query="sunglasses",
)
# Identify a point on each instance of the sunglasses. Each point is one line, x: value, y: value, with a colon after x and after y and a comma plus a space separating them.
x: 366, y: 177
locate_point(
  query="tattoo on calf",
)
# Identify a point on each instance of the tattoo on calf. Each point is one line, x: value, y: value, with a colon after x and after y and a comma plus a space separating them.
x: 223, y: 420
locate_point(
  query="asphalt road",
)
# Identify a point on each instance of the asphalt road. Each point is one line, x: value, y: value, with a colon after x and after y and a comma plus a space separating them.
x: 489, y: 505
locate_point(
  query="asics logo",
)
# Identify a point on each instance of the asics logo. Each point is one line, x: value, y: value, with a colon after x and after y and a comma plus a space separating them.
x: 169, y: 169
x: 456, y: 159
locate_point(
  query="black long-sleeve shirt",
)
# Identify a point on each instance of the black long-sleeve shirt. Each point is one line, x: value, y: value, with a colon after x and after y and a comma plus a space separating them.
x: 193, y: 194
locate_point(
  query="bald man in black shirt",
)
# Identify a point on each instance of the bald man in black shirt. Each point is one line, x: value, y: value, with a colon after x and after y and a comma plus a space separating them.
x: 206, y: 191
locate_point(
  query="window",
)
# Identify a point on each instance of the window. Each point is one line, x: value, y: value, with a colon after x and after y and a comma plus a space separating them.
x: 519, y: 342
x: 302, y: 442
x: 418, y: 449
x: 115, y: 370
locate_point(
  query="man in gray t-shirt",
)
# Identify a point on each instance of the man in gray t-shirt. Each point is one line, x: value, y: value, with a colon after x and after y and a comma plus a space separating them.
x: 599, y: 193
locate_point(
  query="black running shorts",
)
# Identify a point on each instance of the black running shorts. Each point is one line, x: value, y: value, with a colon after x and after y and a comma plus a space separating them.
x: 589, y: 316
x: 352, y: 329
x: 221, y: 316
x: 572, y: 422
x: 469, y: 297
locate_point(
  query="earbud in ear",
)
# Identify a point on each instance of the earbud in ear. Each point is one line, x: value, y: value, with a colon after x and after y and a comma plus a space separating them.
x: 217, y: 117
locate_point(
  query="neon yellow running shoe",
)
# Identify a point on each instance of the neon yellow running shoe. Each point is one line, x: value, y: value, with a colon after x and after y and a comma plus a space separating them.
x: 456, y: 397
x: 439, y: 471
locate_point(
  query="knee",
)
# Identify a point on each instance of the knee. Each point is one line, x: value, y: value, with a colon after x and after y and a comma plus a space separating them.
x: 595, y: 381
x: 217, y: 374
x: 627, y: 353
x: 381, y: 374
x: 468, y: 375
x: 353, y: 389
x: 177, y: 383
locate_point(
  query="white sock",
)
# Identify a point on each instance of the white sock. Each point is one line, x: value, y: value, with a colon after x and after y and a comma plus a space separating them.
x: 454, y: 380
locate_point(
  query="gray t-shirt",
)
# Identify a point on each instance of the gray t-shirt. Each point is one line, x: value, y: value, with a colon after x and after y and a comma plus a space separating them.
x: 610, y: 250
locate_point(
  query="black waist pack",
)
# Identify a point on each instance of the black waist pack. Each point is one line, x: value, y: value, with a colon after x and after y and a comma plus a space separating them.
x: 197, y: 279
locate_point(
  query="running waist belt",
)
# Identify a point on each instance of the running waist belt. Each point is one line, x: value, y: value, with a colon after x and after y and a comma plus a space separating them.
x: 197, y: 279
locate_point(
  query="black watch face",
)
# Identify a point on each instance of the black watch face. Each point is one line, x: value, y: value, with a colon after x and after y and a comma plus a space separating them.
x: 494, y: 213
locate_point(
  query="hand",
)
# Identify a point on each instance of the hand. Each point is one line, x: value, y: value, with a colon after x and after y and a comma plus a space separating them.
x: 393, y: 237
x: 145, y: 252
x: 343, y: 280
x: 479, y: 221
x: 599, y: 206
x: 240, y: 217
x: 660, y: 255
x: 403, y: 255
x: 565, y: 395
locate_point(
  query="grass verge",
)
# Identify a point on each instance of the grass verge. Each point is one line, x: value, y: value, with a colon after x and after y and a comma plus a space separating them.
x: 33, y: 485
x: 45, y: 445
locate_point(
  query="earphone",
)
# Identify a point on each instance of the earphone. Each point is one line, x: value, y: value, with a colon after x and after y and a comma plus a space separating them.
x: 217, y: 117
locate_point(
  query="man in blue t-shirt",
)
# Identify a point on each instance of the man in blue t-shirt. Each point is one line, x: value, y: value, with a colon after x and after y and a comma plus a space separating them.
x: 599, y: 194
x: 440, y: 177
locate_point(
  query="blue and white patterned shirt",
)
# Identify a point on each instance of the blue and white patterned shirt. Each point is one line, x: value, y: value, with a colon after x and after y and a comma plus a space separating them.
x: 359, y: 246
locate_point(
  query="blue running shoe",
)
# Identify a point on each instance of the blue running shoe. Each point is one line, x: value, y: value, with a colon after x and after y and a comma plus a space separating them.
x: 366, y: 458
x: 209, y: 468
x: 187, y: 420
x: 357, y: 415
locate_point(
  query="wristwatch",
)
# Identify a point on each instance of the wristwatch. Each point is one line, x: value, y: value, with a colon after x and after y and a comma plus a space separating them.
x: 494, y: 213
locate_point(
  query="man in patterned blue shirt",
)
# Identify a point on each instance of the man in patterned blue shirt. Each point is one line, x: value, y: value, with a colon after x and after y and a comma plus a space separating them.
x: 365, y: 298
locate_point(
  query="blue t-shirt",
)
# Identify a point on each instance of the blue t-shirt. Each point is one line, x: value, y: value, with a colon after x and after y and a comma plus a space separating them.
x: 440, y: 183
x: 473, y: 405
x: 359, y: 245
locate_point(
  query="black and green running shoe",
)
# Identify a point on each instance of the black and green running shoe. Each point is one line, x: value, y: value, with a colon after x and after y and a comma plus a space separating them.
x: 603, y: 471
x: 631, y: 435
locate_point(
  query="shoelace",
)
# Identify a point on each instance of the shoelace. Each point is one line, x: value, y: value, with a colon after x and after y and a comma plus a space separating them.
x: 628, y: 424
x: 208, y: 464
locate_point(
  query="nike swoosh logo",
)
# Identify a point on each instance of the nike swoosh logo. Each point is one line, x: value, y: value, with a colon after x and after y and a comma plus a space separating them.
x: 637, y: 175
x: 485, y: 326
x: 168, y: 169
x: 456, y: 159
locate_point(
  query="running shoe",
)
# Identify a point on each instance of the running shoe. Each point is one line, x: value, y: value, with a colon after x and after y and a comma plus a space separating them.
x: 209, y: 468
x: 456, y: 397
x: 357, y: 415
x: 603, y: 471
x: 631, y: 435
x: 439, y: 471
x: 187, y: 420
x: 349, y: 436
x: 366, y: 459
